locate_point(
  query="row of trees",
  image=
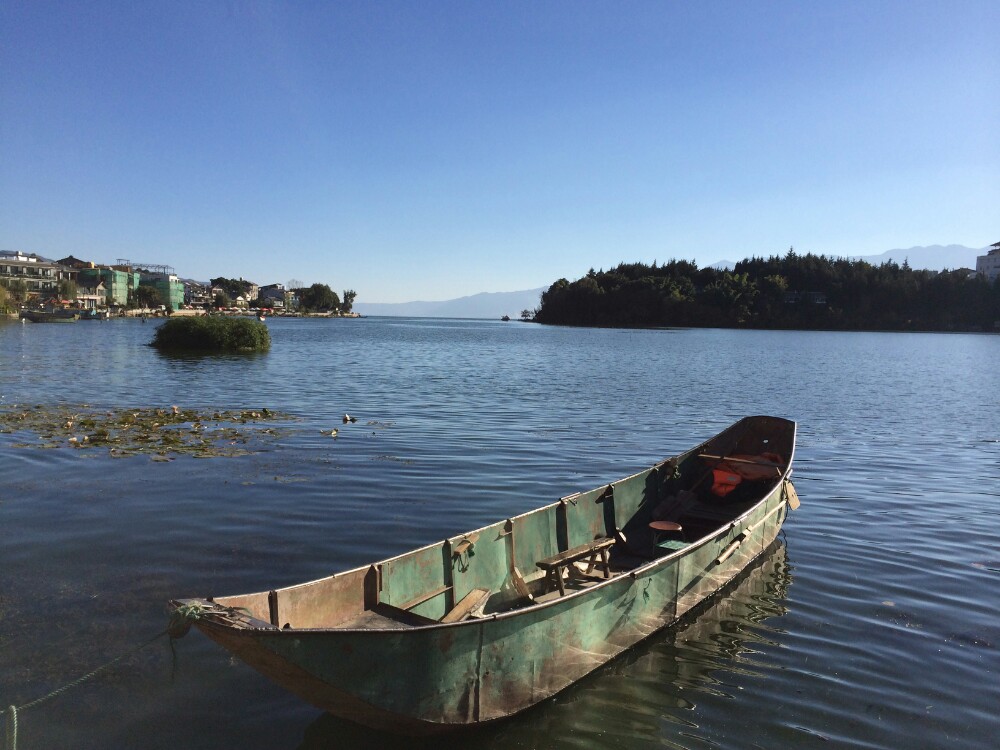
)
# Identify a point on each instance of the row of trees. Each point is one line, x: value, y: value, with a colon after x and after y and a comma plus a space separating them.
x: 15, y: 292
x: 232, y: 288
x: 321, y: 298
x: 791, y: 291
x: 315, y: 298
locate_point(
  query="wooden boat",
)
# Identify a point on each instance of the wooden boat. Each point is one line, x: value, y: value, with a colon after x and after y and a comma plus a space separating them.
x: 50, y: 316
x: 488, y: 623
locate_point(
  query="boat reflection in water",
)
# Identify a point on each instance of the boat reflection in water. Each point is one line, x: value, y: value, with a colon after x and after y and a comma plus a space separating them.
x: 649, y: 695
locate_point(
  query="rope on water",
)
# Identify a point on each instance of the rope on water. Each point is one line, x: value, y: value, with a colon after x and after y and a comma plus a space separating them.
x: 180, y: 622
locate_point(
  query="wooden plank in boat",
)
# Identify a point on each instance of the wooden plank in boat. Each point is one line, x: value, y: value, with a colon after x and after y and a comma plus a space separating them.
x: 474, y: 599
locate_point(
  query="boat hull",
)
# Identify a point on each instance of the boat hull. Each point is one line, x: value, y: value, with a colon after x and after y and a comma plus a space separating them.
x: 45, y: 316
x: 432, y: 677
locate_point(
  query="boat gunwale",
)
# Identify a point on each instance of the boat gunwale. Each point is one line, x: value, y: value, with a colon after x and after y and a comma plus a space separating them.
x: 644, y: 569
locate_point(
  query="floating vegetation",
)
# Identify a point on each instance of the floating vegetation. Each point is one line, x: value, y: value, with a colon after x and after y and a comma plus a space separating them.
x: 212, y: 334
x: 160, y: 433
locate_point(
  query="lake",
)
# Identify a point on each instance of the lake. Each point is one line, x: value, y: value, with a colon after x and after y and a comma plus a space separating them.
x: 872, y: 623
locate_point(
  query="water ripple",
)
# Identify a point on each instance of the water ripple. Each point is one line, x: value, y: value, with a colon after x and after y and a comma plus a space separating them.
x: 888, y: 637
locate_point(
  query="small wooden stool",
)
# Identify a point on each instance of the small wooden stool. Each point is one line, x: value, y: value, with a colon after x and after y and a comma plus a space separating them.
x: 596, y: 552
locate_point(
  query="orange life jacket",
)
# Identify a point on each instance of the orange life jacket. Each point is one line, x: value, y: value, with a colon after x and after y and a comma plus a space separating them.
x: 727, y: 475
x: 724, y: 482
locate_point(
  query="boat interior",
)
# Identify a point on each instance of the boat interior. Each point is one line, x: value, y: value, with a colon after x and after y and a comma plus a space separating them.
x: 545, y: 554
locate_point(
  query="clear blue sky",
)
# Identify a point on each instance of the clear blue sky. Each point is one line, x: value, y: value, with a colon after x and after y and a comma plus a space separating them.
x: 429, y: 150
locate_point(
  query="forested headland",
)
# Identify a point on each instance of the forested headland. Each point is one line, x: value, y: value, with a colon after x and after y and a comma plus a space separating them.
x: 791, y: 291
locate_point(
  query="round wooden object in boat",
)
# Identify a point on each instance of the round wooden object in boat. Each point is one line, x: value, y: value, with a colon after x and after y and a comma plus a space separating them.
x: 665, y: 526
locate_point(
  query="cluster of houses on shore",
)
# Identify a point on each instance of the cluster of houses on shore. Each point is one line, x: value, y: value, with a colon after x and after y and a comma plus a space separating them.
x: 39, y: 282
x: 989, y: 265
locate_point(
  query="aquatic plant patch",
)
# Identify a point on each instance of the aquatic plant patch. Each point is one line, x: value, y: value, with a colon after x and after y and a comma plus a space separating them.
x: 212, y: 334
x: 159, y: 432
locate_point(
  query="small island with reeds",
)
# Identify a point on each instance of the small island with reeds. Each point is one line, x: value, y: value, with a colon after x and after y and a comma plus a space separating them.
x: 212, y: 333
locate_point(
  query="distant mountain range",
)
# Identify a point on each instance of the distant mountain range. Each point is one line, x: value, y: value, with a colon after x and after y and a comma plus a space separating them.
x: 483, y: 305
x: 931, y: 257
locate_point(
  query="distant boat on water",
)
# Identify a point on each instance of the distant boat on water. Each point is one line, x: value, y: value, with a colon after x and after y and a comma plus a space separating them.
x: 51, y: 316
x: 95, y: 315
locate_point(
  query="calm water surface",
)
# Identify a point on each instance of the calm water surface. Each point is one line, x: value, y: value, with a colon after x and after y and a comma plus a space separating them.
x: 873, y: 623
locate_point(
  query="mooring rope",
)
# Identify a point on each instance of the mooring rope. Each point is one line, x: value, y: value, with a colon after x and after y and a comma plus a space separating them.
x: 180, y: 622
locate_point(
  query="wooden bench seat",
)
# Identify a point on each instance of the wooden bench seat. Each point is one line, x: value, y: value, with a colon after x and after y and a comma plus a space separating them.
x: 596, y: 553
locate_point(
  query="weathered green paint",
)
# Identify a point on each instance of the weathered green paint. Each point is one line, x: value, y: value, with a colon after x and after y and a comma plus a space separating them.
x: 484, y: 566
x: 408, y: 578
x: 407, y: 671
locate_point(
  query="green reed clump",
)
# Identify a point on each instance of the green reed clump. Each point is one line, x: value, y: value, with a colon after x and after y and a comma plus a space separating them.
x: 212, y: 334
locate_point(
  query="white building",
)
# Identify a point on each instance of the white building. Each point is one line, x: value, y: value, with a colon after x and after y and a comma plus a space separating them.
x: 989, y: 265
x: 37, y: 275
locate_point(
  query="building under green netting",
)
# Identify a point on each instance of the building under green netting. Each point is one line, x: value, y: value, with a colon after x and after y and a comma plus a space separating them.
x: 118, y: 284
x: 169, y: 287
